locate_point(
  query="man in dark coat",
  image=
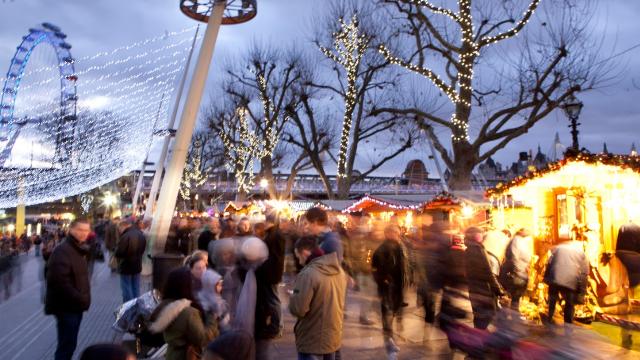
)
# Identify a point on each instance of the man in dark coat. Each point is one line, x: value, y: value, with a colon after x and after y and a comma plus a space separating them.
x: 484, y: 288
x: 129, y: 252
x: 68, y: 290
x: 268, y: 276
x: 210, y: 233
x: 389, y: 271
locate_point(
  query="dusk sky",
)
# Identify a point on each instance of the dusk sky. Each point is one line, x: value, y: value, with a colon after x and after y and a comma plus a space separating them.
x: 610, y: 114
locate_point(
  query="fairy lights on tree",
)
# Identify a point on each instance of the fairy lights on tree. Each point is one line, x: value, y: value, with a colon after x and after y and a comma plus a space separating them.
x: 558, y: 63
x: 349, y: 46
x: 195, y: 173
x: 242, y: 148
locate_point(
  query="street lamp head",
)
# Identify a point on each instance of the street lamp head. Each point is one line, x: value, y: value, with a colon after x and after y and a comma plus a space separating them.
x: 236, y: 11
x: 572, y: 107
x: 264, y: 183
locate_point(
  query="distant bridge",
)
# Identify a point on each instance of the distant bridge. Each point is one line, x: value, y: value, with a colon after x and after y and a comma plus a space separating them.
x: 307, y: 185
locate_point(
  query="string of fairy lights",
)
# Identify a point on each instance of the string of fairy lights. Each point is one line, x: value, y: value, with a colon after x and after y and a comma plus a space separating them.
x: 460, y: 92
x: 193, y: 176
x: 349, y: 46
x: 121, y: 105
x: 242, y: 150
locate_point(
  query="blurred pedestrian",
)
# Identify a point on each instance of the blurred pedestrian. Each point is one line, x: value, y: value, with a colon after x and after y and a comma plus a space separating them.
x: 484, y: 288
x: 514, y: 274
x: 236, y: 344
x: 318, y: 302
x: 106, y: 352
x: 436, y: 251
x: 197, y: 264
x: 566, y: 275
x: 186, y: 327
x: 389, y: 265
x: 318, y: 226
x: 68, y: 289
x: 268, y: 275
x: 111, y: 237
x: 211, y: 300
x: 129, y: 252
x: 210, y: 232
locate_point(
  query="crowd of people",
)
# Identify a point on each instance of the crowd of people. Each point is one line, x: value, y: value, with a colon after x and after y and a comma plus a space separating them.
x: 225, y: 303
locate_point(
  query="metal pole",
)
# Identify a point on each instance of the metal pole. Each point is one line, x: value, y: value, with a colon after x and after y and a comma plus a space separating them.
x: 136, y: 195
x: 171, y: 181
x: 157, y: 176
x: 574, y: 132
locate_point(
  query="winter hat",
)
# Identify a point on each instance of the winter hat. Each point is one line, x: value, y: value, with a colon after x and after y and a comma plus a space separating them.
x: 209, y: 280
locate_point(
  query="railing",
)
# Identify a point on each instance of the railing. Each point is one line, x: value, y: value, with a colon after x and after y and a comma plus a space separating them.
x: 312, y: 184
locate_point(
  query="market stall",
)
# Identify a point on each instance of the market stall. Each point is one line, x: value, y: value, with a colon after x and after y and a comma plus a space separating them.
x: 584, y: 197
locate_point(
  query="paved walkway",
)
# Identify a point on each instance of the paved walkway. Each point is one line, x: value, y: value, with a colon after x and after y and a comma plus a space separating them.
x: 26, y: 333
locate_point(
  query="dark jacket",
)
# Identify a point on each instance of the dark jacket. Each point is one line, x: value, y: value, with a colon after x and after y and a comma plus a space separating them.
x: 388, y: 265
x: 268, y: 276
x: 206, y: 236
x: 482, y: 281
x: 68, y: 289
x: 131, y: 247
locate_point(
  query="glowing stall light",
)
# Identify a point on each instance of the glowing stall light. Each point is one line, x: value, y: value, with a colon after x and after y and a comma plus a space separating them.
x: 467, y: 211
x: 264, y: 183
x: 28, y: 229
x: 38, y: 229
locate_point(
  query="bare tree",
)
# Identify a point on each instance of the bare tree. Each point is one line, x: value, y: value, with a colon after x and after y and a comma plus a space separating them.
x: 311, y: 131
x: 466, y: 54
x: 263, y: 86
x: 362, y: 78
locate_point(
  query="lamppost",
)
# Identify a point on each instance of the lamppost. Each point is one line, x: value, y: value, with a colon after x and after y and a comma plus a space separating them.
x: 214, y: 13
x: 572, y: 108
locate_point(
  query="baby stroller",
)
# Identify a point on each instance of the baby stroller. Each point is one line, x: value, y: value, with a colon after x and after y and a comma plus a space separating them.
x: 132, y: 318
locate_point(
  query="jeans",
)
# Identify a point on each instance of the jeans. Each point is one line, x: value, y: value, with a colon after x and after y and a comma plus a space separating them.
x: 130, y: 285
x: 332, y: 356
x: 569, y: 297
x: 68, y: 325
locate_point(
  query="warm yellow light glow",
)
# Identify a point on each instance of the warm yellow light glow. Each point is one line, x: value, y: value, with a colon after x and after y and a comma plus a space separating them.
x: 67, y: 216
x: 467, y: 211
x: 264, y: 183
x: 11, y: 228
x: 109, y: 199
x: 39, y: 229
x: 408, y: 221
